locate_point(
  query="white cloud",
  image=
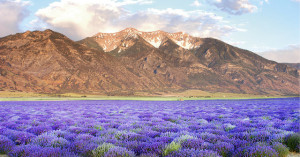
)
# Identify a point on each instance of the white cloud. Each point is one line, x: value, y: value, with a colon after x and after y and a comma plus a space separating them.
x: 12, y: 12
x: 79, y: 19
x: 236, y: 7
x: 262, y: 2
x: 296, y: 0
x: 196, y: 3
x: 291, y: 54
x: 198, y: 23
x: 127, y: 2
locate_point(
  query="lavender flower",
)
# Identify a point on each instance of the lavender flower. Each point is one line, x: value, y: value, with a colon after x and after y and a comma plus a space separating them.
x: 5, y: 144
x: 135, y: 128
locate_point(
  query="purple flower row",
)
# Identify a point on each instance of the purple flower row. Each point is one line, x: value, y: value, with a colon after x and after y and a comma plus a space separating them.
x: 148, y: 128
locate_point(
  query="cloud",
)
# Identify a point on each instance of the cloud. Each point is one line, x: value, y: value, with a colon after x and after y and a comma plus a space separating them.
x: 127, y: 2
x: 197, y: 23
x: 79, y: 19
x: 236, y: 7
x: 296, y: 0
x: 12, y: 13
x: 291, y: 54
x: 196, y: 3
x: 262, y: 2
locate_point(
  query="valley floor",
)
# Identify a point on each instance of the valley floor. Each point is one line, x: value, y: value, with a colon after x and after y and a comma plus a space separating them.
x: 143, y: 96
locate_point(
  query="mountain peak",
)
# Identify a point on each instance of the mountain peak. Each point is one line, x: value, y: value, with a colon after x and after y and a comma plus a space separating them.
x: 49, y: 31
x: 125, y: 38
x: 130, y: 30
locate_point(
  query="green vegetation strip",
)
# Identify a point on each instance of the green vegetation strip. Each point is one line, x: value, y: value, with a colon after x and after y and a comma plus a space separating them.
x: 126, y: 98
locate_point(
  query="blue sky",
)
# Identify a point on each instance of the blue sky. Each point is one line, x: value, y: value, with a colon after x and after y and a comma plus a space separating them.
x: 270, y: 28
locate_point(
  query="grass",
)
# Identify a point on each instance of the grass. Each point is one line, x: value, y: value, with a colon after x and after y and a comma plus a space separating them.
x: 175, y: 96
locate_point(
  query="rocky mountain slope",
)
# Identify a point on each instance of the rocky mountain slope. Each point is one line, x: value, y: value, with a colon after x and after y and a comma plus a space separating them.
x: 130, y: 61
x: 294, y: 65
x: 50, y: 62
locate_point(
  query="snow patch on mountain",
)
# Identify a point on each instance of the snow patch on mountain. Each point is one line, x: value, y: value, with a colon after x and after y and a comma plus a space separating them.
x: 155, y: 42
x: 126, y: 38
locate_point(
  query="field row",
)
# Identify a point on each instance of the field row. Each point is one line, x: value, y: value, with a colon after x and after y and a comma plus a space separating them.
x: 148, y: 129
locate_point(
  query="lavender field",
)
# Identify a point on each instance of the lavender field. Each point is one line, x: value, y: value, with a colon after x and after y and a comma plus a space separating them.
x: 209, y: 128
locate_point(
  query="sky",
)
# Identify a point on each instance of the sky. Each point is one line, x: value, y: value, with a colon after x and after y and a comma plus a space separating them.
x: 270, y: 28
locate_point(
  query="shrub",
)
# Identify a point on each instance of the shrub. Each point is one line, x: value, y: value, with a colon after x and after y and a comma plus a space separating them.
x: 19, y: 137
x: 77, y: 130
x: 47, y: 152
x: 24, y: 150
x: 293, y: 142
x: 259, y: 136
x: 118, y: 152
x: 85, y: 137
x: 154, y: 147
x: 194, y: 153
x: 207, y: 145
x: 124, y: 136
x: 277, y: 138
x: 5, y: 144
x: 255, y: 151
x: 149, y: 155
x: 223, y: 148
x: 209, y: 137
x: 228, y: 127
x: 84, y: 148
x: 37, y: 151
x: 151, y: 134
x: 240, y: 143
x: 184, y: 138
x: 192, y: 143
x: 60, y: 142
x: 64, y: 134
x: 43, y: 140
x: 163, y: 139
x: 281, y: 149
x: 173, y: 146
x: 102, y: 149
x: 38, y: 130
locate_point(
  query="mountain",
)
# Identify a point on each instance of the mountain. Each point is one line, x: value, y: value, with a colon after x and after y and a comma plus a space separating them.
x: 124, y: 39
x: 132, y: 61
x: 201, y: 63
x: 294, y: 65
x: 49, y: 62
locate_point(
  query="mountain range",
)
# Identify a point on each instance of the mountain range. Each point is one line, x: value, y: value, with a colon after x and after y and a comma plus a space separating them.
x: 130, y: 61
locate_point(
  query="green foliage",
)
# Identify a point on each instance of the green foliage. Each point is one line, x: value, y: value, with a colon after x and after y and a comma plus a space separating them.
x: 173, y: 146
x: 281, y: 149
x: 98, y: 127
x: 121, y: 135
x: 293, y: 142
x: 183, y: 138
x: 102, y: 149
x: 229, y: 127
x: 266, y: 118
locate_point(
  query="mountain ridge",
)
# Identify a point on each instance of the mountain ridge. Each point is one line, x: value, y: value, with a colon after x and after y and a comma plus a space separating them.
x: 112, y: 41
x: 131, y: 61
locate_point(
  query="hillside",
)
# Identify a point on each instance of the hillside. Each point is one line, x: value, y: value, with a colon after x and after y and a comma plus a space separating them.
x: 132, y: 61
x: 293, y: 65
x: 199, y: 63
